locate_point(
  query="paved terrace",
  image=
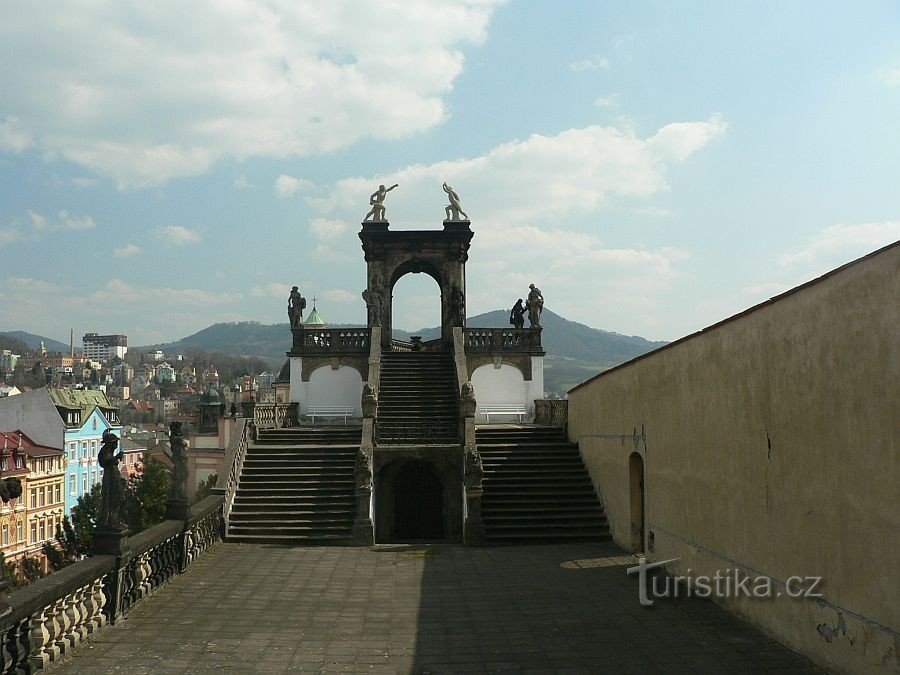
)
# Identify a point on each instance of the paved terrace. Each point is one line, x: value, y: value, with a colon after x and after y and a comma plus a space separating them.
x: 422, y: 609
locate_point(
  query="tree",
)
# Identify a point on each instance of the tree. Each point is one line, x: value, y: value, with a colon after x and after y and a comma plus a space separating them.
x: 204, y: 490
x: 8, y: 571
x: 72, y: 544
x: 147, y: 495
x: 31, y: 570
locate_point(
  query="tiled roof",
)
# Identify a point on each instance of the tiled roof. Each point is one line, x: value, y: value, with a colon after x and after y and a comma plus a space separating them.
x: 10, y: 440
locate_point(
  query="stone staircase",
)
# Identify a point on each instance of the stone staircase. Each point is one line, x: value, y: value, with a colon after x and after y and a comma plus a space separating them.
x: 536, y: 488
x: 297, y: 487
x: 417, y: 399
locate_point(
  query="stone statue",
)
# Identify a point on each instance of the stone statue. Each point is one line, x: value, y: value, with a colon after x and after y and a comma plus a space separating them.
x: 112, y: 489
x: 467, y: 400
x: 458, y: 306
x: 373, y: 305
x: 474, y: 471
x: 534, y: 305
x: 296, y: 305
x: 517, y: 314
x: 377, y: 203
x: 454, y: 210
x: 179, y: 462
x: 362, y: 471
x: 369, y: 401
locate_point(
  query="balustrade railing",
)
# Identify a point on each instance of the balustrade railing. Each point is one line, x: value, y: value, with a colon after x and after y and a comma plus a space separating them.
x: 51, y: 617
x: 275, y: 415
x: 226, y: 485
x: 327, y: 341
x: 551, y: 412
x: 418, y: 431
x: 490, y: 340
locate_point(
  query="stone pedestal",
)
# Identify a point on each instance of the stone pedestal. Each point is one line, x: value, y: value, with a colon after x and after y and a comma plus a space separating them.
x: 473, y: 528
x: 109, y: 541
x: 177, y: 509
x: 363, y: 527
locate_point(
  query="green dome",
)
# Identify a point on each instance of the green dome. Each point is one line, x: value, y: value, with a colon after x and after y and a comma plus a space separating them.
x: 315, y: 319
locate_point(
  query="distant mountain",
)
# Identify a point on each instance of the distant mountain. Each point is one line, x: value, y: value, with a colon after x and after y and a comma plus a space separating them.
x: 34, y: 341
x: 575, y: 352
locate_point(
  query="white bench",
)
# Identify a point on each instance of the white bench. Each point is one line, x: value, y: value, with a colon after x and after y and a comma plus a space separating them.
x: 330, y: 411
x: 503, y: 409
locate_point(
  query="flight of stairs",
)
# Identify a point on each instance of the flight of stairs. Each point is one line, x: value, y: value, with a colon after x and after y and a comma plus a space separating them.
x: 297, y: 487
x: 536, y: 488
x: 417, y: 399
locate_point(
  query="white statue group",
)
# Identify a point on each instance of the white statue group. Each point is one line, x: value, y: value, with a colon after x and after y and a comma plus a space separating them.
x: 377, y: 212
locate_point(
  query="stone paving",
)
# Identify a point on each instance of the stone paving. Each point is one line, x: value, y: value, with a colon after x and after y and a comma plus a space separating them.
x: 246, y: 608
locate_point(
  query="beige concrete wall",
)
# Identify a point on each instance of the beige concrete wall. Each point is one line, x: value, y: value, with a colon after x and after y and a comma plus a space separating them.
x: 771, y: 445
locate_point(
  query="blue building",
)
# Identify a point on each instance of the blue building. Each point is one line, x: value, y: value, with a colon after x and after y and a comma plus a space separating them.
x: 86, y: 415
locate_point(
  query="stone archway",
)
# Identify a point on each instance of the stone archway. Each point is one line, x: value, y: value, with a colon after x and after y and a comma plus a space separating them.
x: 442, y: 254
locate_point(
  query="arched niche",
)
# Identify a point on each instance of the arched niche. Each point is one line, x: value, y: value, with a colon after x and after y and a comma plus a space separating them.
x: 499, y: 385
x: 341, y: 386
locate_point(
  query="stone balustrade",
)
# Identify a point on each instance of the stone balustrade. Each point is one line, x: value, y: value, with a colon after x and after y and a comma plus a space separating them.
x: 551, y: 412
x: 226, y: 485
x: 330, y: 341
x: 503, y: 340
x: 51, y: 617
x: 275, y: 415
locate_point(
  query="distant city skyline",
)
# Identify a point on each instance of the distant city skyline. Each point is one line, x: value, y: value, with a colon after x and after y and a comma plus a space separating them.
x: 653, y: 168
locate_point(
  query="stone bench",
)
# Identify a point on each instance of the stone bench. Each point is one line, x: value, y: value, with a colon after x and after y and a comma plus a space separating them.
x: 517, y: 409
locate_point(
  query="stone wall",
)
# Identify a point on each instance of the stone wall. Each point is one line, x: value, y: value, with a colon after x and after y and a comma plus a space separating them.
x: 770, y: 444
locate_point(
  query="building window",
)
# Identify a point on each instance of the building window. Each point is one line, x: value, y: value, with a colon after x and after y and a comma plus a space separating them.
x: 43, y: 531
x: 93, y: 449
x: 72, y: 486
x: 84, y: 452
x: 33, y: 498
x: 20, y: 533
x: 57, y: 492
x: 72, y: 451
x: 33, y: 533
x: 4, y: 536
x: 41, y: 501
x: 93, y: 478
x: 84, y: 480
x: 94, y: 424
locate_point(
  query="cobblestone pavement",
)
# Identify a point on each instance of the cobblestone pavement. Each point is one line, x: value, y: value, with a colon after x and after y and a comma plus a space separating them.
x: 423, y: 609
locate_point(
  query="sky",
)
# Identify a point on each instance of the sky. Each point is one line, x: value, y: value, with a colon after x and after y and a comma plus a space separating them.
x: 652, y: 167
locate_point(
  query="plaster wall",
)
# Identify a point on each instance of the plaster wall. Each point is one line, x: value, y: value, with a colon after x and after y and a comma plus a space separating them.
x: 503, y: 385
x: 771, y: 446
x: 328, y: 386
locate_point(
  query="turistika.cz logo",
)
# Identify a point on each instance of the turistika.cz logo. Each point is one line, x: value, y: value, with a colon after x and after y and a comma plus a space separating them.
x: 727, y: 583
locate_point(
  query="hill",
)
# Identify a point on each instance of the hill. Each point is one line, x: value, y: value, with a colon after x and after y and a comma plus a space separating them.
x: 575, y: 351
x: 34, y: 341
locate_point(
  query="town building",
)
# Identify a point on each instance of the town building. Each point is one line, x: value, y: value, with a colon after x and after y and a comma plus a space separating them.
x: 87, y: 414
x: 164, y: 373
x: 8, y: 362
x: 13, y: 514
x: 11, y: 390
x: 104, y: 347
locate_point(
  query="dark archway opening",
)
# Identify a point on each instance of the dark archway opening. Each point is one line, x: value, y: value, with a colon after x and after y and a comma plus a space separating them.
x: 418, y: 503
x: 410, y: 503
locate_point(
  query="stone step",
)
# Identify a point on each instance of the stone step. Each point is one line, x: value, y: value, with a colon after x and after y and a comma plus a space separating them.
x: 267, y: 501
x: 312, y: 539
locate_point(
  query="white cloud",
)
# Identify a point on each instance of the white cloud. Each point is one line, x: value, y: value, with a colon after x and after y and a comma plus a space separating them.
x: 610, y: 101
x: 891, y: 77
x: 286, y: 186
x: 324, y: 228
x: 339, y: 295
x: 653, y: 211
x: 214, y: 80
x: 179, y: 235
x: 271, y: 290
x: 37, y: 220
x: 127, y: 251
x: 596, y: 63
x: 65, y: 221
x: 72, y: 222
x: 9, y: 235
x: 28, y: 284
x: 838, y: 244
x: 121, y: 292
x: 540, y: 180
x: 241, y: 183
x: 84, y: 182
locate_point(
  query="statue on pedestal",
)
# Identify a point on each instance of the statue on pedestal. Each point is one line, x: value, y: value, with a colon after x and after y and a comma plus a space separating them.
x: 373, y: 305
x: 179, y: 462
x: 454, y: 210
x: 112, y: 489
x: 534, y: 305
x: 369, y: 401
x: 474, y: 471
x: 377, y: 203
x: 362, y: 471
x: 296, y: 305
x: 467, y: 400
x: 517, y: 314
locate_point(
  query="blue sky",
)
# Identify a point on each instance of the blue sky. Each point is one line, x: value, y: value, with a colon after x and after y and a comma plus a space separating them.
x: 652, y: 167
